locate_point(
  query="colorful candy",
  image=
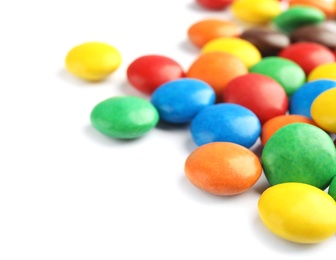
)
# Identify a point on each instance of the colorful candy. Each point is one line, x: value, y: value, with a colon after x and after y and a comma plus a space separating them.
x: 261, y: 94
x: 298, y: 16
x: 216, y: 69
x: 223, y: 168
x: 225, y: 123
x: 308, y: 55
x: 332, y: 189
x: 206, y: 30
x: 326, y: 6
x: 324, y: 71
x: 178, y: 101
x: 301, y: 101
x: 268, y: 41
x: 240, y: 48
x: 298, y: 212
x: 124, y: 117
x: 148, y: 72
x: 300, y: 152
x: 286, y: 72
x: 214, y: 4
x: 92, y: 61
x: 323, y: 110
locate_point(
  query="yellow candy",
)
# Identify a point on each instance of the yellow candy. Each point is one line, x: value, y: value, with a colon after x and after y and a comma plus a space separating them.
x: 240, y: 48
x: 256, y: 11
x: 324, y: 71
x: 323, y: 110
x: 298, y: 212
x: 93, y: 61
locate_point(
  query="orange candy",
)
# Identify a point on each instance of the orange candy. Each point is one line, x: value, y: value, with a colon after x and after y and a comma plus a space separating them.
x: 205, y: 30
x: 223, y: 168
x: 326, y: 6
x: 275, y: 123
x: 216, y: 69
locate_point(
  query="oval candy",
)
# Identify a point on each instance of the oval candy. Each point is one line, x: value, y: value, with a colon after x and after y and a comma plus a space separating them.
x: 323, y: 71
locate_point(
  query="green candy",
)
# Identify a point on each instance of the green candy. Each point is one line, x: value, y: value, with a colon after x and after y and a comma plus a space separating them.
x: 124, y: 117
x: 298, y: 16
x: 300, y: 152
x: 286, y: 72
x: 332, y: 188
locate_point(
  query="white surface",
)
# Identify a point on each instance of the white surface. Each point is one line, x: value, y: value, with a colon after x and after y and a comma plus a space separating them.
x: 68, y: 192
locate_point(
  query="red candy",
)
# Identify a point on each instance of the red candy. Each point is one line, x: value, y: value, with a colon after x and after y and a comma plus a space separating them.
x: 308, y: 55
x: 148, y: 72
x: 214, y: 4
x: 262, y: 95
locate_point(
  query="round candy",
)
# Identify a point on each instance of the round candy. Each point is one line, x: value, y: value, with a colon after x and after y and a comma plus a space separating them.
x: 178, y: 101
x: 302, y: 99
x: 308, y: 55
x: 323, y: 110
x: 298, y: 212
x: 298, y: 16
x: 216, y: 69
x: 300, y: 152
x: 262, y: 95
x: 223, y: 168
x: 205, y: 30
x: 124, y: 117
x: 148, y: 72
x: 269, y: 42
x: 326, y: 6
x: 240, y: 48
x: 275, y: 123
x: 256, y: 12
x: 332, y: 189
x: 93, y: 61
x: 324, y: 71
x: 225, y: 123
x: 319, y: 33
x: 279, y: 69
x: 214, y: 4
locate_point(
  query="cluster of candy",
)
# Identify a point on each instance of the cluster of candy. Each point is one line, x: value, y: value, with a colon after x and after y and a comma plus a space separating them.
x: 274, y: 80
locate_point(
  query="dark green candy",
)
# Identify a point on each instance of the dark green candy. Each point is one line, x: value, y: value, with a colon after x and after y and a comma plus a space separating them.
x: 124, y: 117
x: 298, y: 16
x: 286, y: 72
x: 332, y: 188
x: 300, y: 152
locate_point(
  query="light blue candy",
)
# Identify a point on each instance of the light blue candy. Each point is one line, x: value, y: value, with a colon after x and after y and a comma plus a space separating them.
x: 226, y: 122
x: 178, y: 101
x: 302, y: 99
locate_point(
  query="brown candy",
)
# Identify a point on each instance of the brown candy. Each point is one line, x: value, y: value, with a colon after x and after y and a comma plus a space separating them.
x: 324, y: 34
x: 269, y: 42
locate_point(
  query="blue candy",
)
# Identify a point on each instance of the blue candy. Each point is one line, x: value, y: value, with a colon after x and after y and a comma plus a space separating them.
x: 302, y: 99
x: 178, y: 101
x: 226, y: 122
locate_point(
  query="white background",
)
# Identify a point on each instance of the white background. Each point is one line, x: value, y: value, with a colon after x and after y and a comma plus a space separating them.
x: 66, y: 191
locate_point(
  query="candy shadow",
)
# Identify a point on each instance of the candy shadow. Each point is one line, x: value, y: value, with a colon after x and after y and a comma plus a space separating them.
x: 127, y: 89
x: 187, y: 47
x: 64, y: 75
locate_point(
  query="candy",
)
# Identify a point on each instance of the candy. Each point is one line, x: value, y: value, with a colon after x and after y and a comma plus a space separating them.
x: 216, y: 69
x: 300, y: 152
x: 308, y: 55
x: 286, y: 72
x: 275, y: 123
x: 298, y: 212
x: 323, y: 110
x: 332, y: 189
x: 124, y: 117
x: 178, y: 101
x: 320, y: 34
x: 324, y: 71
x: 214, y: 4
x: 93, y: 61
x: 326, y: 6
x: 148, y: 72
x: 223, y: 168
x: 240, y: 48
x: 225, y: 123
x: 269, y: 42
x: 262, y: 95
x: 205, y: 30
x: 298, y: 16
x: 301, y: 101
x: 256, y: 12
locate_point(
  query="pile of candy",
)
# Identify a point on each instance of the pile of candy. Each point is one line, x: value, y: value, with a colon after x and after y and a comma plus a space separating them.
x: 274, y: 80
